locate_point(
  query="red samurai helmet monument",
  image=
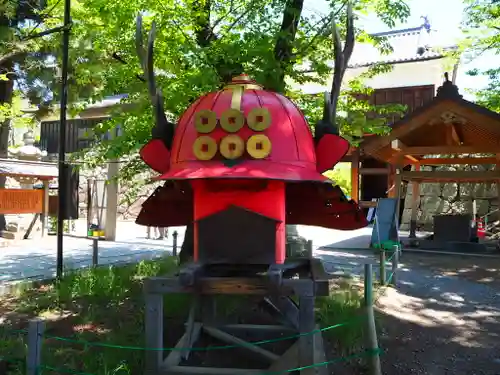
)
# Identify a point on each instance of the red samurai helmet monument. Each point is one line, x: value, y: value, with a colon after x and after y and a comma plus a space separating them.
x: 241, y: 164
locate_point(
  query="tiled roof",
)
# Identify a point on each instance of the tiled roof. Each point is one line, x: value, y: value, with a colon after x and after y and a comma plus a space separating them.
x: 405, y: 44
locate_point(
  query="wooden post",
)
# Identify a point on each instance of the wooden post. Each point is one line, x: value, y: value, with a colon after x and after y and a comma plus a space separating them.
x: 112, y: 188
x: 372, y: 344
x: 497, y: 167
x: 90, y: 211
x: 95, y: 252
x: 34, y: 354
x: 174, y: 247
x: 382, y: 266
x: 154, y: 333
x: 355, y: 175
x: 45, y: 214
x: 415, y: 197
x: 309, y: 248
x: 395, y: 265
x: 397, y: 187
x: 390, y: 181
x: 306, y: 340
x: 111, y: 200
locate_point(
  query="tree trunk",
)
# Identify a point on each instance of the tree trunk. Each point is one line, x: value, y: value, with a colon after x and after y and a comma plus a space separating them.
x: 6, y: 91
x: 274, y: 81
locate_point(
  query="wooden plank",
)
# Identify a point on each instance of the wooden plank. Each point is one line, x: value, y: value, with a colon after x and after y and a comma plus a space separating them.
x: 306, y: 341
x: 442, y: 150
x: 451, y: 175
x: 398, y: 146
x: 319, y: 353
x: 355, y: 175
x: 21, y: 201
x: 373, y: 171
x: 460, y: 161
x: 290, y: 359
x: 182, y: 370
x: 258, y: 327
x: 218, y: 334
x: 154, y: 333
x: 415, y: 197
x: 174, y: 357
x: 320, y: 275
x: 226, y: 285
x: 34, y: 354
x: 367, y: 204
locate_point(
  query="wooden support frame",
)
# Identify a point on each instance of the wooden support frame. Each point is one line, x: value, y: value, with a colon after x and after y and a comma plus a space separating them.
x: 460, y: 161
x: 443, y: 150
x: 415, y: 198
x: 373, y: 171
x: 399, y: 147
x: 452, y: 175
x: 301, y: 354
x: 355, y: 162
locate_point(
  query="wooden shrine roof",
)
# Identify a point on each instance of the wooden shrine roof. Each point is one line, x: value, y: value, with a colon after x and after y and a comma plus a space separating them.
x: 23, y: 168
x: 448, y: 124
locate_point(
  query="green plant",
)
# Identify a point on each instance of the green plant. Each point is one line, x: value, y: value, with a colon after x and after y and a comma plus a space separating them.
x: 341, y: 175
x: 344, y: 305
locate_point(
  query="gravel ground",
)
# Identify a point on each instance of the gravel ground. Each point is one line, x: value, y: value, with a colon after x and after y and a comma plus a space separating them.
x: 438, y: 322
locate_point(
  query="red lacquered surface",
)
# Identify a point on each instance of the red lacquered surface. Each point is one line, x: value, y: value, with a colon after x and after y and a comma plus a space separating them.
x: 268, y: 200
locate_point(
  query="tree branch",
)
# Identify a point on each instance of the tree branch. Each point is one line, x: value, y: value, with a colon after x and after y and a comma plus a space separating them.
x: 341, y: 57
x: 284, y: 43
x: 323, y: 31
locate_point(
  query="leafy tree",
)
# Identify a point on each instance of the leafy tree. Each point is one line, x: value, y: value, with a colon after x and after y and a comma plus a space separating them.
x: 481, y: 27
x: 200, y: 45
x: 14, y: 50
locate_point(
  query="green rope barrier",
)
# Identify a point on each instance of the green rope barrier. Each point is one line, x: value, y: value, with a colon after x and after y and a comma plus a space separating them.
x: 9, y: 331
x: 62, y: 370
x: 314, y: 365
x: 261, y: 342
x: 390, y: 277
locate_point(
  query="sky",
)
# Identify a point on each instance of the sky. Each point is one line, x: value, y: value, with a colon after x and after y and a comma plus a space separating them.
x: 445, y: 17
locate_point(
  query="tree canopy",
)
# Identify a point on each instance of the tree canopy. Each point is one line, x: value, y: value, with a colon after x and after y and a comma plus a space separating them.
x: 482, y: 30
x: 200, y: 45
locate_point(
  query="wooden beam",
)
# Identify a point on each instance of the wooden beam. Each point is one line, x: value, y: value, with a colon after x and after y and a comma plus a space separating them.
x: 398, y: 182
x: 373, y: 171
x: 399, y: 146
x: 441, y: 150
x: 367, y: 204
x: 497, y: 167
x: 406, y: 126
x: 455, y: 134
x: 218, y: 334
x: 192, y: 370
x: 451, y: 175
x: 415, y: 197
x: 355, y: 175
x: 390, y: 179
x: 461, y: 161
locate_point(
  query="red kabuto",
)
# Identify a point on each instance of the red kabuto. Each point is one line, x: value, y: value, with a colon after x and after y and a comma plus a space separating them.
x: 244, y: 156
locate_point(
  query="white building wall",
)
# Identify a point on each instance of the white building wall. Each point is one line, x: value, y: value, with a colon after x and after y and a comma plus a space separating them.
x: 420, y: 73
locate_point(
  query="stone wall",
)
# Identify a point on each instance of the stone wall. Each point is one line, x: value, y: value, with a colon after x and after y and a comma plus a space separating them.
x: 450, y: 198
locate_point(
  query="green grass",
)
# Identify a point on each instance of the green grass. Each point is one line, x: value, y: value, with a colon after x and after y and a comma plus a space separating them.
x: 344, y: 307
x: 106, y: 305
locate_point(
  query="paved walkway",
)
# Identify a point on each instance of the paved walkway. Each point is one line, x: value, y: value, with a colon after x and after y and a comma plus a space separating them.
x: 36, y: 258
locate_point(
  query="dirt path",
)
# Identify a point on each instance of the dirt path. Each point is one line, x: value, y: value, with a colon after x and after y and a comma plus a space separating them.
x: 439, y: 322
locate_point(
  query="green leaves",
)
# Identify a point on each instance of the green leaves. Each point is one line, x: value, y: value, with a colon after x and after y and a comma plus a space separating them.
x: 199, y: 46
x: 481, y: 28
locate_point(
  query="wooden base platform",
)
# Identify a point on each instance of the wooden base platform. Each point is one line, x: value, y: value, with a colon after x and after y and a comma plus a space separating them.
x: 288, y: 301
